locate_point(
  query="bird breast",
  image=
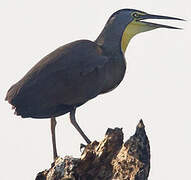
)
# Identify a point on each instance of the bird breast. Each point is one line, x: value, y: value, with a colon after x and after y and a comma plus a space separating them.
x: 114, y: 74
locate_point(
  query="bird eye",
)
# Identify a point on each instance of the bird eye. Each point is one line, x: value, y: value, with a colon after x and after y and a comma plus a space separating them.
x: 136, y: 15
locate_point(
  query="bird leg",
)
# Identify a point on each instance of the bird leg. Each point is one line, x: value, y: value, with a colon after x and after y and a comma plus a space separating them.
x: 53, y: 125
x: 75, y: 124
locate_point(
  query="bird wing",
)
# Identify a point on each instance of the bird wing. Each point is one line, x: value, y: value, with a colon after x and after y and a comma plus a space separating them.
x: 72, y: 74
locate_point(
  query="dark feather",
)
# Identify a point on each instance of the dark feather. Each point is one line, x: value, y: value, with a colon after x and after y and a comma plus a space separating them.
x: 68, y: 77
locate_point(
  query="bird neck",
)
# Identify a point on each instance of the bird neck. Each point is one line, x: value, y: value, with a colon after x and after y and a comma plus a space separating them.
x: 128, y: 33
x: 131, y: 30
x: 115, y: 37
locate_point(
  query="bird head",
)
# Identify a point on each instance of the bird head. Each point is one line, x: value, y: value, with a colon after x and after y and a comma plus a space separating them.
x: 133, y: 22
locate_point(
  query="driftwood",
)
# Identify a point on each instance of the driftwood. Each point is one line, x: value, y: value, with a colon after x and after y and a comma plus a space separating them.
x: 110, y: 159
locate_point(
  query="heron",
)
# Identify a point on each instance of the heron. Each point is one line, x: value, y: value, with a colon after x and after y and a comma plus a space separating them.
x: 79, y: 71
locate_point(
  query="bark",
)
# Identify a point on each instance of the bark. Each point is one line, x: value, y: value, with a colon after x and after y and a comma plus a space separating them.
x: 109, y: 159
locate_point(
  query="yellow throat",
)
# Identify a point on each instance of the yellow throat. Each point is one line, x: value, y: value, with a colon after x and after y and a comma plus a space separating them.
x: 131, y: 30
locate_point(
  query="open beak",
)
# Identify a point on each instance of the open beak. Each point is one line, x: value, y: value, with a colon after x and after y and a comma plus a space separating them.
x: 154, y: 25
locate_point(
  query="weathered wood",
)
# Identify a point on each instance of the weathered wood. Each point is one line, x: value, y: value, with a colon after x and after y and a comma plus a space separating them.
x: 110, y: 159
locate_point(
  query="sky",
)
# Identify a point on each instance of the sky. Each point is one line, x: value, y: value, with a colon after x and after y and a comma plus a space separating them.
x: 156, y: 87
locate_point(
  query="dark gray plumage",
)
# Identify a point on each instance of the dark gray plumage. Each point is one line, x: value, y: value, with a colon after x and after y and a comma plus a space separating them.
x: 79, y: 71
x: 65, y: 79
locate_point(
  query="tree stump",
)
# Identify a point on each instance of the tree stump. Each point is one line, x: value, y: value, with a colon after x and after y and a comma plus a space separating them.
x: 109, y: 159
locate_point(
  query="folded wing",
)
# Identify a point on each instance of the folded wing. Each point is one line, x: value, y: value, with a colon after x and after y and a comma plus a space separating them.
x: 70, y: 76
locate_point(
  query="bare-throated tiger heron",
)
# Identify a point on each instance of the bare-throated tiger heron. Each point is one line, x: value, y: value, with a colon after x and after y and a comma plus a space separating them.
x: 79, y: 71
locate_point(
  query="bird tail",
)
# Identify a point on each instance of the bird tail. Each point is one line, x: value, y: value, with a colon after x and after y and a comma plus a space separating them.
x: 11, y: 94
